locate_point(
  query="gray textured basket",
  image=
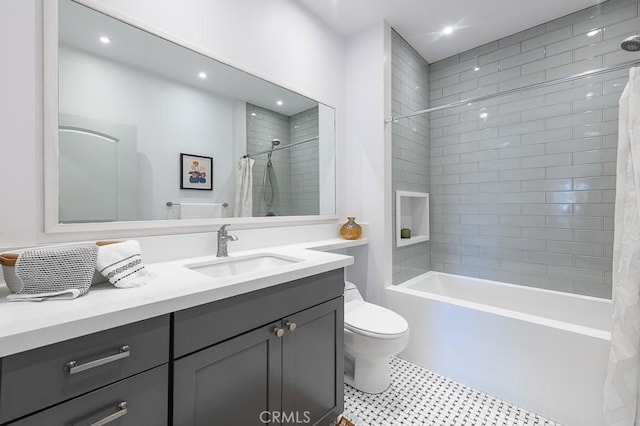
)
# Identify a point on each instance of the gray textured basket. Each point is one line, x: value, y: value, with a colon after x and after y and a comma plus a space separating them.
x: 13, y: 283
x: 54, y: 269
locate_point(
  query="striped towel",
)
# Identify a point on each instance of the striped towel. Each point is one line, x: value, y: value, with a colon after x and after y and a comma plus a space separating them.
x: 121, y: 264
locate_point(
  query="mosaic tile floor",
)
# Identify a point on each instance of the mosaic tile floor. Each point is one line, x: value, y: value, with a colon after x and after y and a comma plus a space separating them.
x: 420, y: 397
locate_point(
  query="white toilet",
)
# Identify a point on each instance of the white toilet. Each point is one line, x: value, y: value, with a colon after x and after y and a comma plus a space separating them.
x: 372, y: 334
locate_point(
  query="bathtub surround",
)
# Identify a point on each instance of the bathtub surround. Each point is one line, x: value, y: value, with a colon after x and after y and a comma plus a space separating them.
x: 522, y: 186
x: 420, y: 397
x: 621, y: 385
x: 410, y: 147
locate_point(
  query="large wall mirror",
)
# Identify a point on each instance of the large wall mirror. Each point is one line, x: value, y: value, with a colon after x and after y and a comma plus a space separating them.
x: 144, y: 129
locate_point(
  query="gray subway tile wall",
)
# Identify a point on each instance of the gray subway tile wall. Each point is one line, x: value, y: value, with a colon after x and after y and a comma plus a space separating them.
x: 296, y: 175
x: 410, y: 145
x: 305, y: 174
x: 523, y: 186
x: 263, y: 126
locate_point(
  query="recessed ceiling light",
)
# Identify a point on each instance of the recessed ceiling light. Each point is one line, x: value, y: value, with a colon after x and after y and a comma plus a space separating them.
x: 253, y: 114
x: 202, y: 75
x: 476, y: 69
x: 105, y: 40
x: 447, y: 30
x: 279, y: 103
x: 484, y: 115
x: 594, y: 32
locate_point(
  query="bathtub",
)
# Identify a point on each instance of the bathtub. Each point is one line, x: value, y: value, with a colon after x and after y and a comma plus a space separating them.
x: 542, y: 350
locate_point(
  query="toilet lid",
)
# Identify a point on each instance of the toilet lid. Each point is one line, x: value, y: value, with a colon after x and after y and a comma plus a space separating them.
x: 373, y: 319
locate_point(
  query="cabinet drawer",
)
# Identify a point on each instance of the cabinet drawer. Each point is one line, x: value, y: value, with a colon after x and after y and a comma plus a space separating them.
x: 202, y: 326
x: 138, y: 400
x: 40, y: 378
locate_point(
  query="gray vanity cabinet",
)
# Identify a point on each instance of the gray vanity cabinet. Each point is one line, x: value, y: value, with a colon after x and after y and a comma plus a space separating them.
x: 270, y: 356
x: 289, y: 368
x: 54, y: 378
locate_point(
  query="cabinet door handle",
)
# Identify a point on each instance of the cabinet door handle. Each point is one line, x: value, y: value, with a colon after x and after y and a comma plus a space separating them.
x: 279, y: 332
x: 72, y: 367
x: 121, y: 410
x: 291, y: 326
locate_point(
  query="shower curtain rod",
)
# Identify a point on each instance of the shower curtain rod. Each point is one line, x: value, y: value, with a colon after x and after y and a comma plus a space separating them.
x: 278, y: 149
x: 520, y: 89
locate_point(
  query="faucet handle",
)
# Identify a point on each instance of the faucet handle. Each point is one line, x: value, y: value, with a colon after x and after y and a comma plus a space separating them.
x: 223, y: 228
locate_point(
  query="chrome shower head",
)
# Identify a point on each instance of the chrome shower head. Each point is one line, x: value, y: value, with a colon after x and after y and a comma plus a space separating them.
x: 631, y: 44
x: 275, y: 142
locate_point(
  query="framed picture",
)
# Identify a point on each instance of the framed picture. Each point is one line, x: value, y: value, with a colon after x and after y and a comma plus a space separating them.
x: 196, y: 172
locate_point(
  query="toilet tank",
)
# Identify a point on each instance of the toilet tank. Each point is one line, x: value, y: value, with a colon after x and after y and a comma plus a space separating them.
x: 351, y: 292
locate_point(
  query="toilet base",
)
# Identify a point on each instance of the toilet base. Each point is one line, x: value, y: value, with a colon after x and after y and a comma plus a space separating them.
x: 368, y: 375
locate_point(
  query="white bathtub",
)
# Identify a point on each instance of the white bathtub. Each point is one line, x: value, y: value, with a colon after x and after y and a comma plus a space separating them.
x: 542, y: 350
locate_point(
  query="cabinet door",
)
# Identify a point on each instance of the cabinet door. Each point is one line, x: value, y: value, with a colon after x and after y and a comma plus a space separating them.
x: 312, y: 364
x: 231, y: 383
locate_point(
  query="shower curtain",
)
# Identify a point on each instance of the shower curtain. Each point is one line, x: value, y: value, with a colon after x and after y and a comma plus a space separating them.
x: 621, y: 391
x: 244, y: 185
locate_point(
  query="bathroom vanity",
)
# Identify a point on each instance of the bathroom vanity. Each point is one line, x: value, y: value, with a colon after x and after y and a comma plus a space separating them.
x: 275, y: 351
x: 248, y: 358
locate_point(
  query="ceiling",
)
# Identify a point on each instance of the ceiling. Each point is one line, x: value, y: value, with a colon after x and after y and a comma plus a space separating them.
x: 420, y: 22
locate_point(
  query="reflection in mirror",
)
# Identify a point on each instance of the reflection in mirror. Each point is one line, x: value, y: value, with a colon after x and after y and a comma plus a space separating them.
x: 130, y: 103
x: 286, y: 181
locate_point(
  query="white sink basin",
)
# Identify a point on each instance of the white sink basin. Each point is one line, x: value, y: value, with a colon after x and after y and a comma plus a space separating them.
x: 230, y: 266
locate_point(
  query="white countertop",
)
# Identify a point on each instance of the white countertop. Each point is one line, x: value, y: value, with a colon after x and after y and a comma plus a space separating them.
x: 29, y: 325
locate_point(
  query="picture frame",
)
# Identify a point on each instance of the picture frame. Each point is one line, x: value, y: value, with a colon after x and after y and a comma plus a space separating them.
x: 196, y: 172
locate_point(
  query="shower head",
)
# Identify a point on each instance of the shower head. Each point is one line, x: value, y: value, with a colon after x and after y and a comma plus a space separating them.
x: 275, y: 142
x: 631, y: 44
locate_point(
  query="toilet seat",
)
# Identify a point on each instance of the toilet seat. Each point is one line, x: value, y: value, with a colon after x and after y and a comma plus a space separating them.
x: 373, y: 320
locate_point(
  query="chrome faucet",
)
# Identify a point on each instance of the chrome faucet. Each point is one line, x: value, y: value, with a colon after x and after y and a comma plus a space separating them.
x: 223, y: 237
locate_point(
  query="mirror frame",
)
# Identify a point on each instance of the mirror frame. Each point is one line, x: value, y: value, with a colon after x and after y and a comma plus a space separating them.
x: 167, y: 226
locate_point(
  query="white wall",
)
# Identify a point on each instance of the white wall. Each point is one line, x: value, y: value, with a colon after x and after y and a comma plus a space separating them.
x: 278, y: 40
x: 367, y: 179
x: 21, y: 199
x: 170, y: 118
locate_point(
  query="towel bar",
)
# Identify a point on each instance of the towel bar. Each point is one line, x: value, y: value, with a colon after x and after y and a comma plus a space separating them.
x: 171, y: 204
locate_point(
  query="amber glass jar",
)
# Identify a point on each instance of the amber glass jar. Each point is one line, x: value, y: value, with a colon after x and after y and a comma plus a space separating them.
x: 351, y: 230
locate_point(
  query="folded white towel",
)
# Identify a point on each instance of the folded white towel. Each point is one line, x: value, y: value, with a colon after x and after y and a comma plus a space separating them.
x: 121, y: 264
x: 200, y: 210
x: 69, y: 294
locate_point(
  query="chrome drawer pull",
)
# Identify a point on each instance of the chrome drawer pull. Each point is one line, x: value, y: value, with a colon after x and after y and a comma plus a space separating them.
x: 121, y: 411
x: 72, y: 366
